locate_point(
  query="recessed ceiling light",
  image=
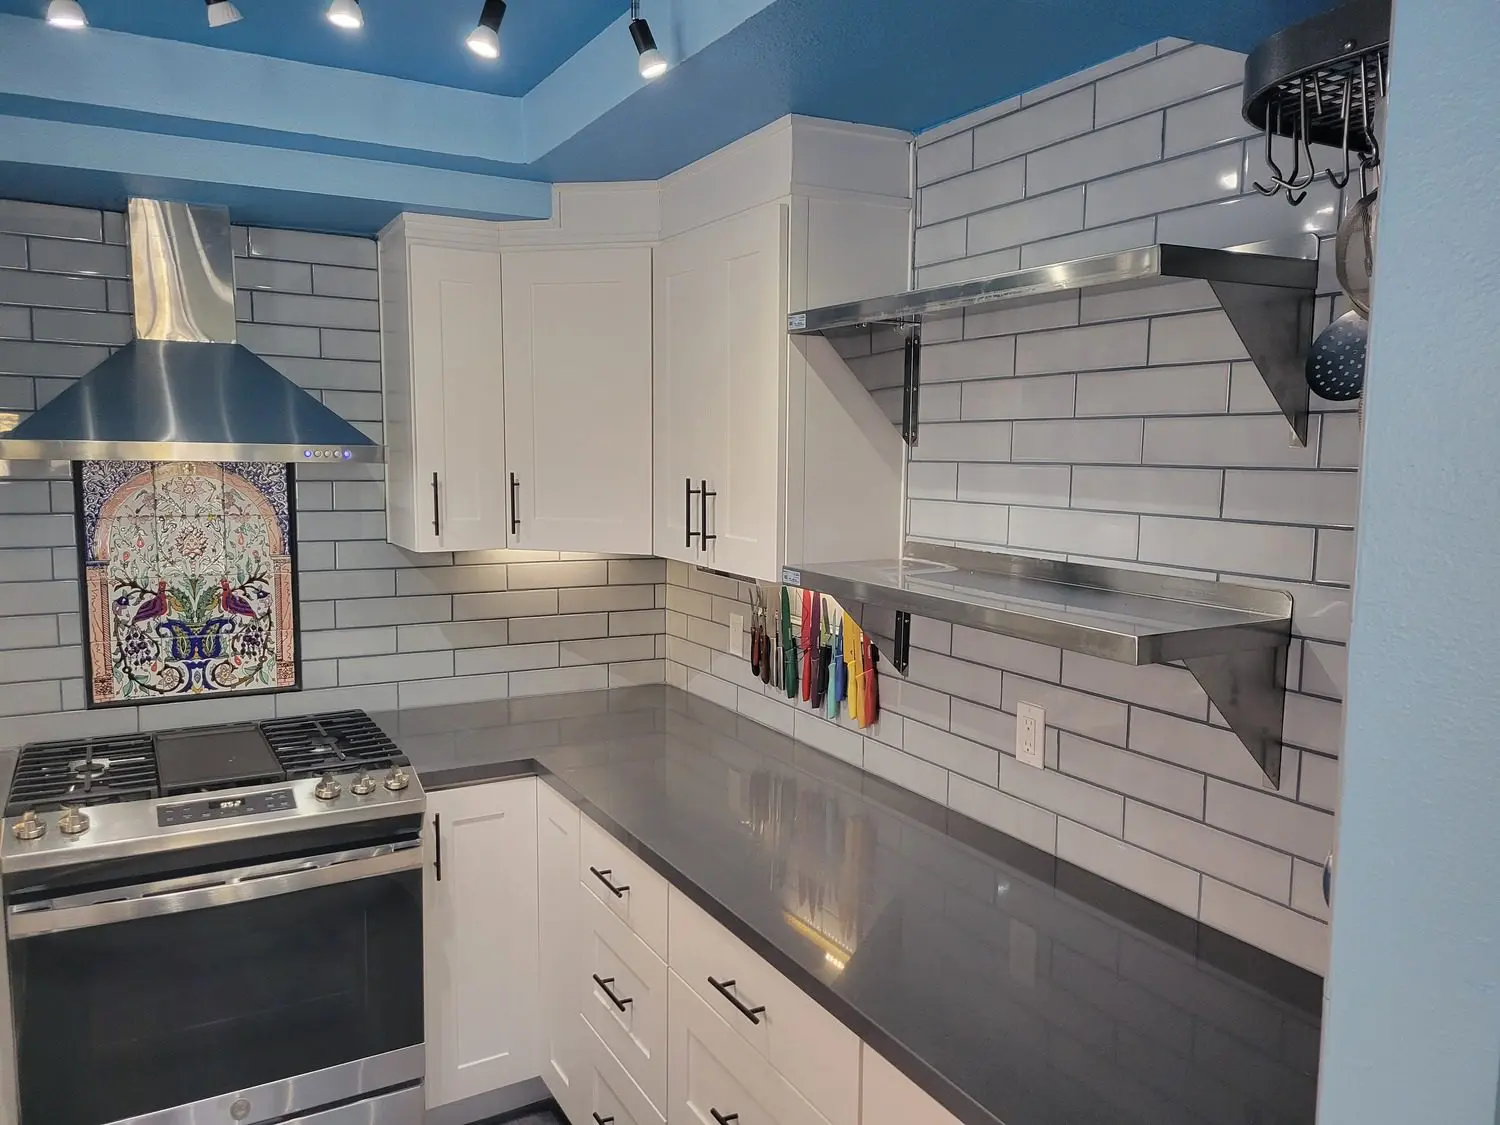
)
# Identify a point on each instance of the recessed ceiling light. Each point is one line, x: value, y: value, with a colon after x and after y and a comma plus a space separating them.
x: 484, y: 40
x: 66, y: 13
x: 653, y: 62
x: 346, y: 14
x: 221, y: 12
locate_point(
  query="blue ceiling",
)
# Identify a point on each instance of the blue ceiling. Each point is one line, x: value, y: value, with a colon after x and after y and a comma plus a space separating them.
x: 422, y: 40
x: 563, y: 104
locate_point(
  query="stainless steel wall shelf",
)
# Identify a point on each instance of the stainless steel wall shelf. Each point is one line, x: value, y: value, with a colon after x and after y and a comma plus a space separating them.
x: 1233, y: 639
x: 1269, y: 300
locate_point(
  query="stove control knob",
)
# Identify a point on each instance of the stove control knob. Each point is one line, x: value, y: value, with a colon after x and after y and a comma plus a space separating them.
x: 398, y: 779
x: 363, y: 785
x: 328, y: 788
x: 73, y: 821
x: 29, y: 826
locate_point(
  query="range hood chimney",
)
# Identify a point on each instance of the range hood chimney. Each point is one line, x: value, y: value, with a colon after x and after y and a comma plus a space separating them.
x: 184, y: 390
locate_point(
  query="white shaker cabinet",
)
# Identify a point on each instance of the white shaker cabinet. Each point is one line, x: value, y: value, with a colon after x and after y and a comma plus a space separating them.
x: 577, y: 348
x: 891, y: 1098
x: 721, y: 332
x: 768, y: 450
x: 560, y: 925
x: 480, y: 939
x: 444, y: 396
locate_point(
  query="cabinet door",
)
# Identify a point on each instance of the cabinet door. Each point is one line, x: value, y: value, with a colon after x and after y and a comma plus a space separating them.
x: 577, y: 330
x: 720, y: 372
x: 480, y: 939
x: 891, y: 1098
x: 458, y: 418
x: 560, y: 899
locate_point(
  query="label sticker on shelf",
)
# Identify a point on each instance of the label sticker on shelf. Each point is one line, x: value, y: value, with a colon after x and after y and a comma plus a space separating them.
x: 791, y: 577
x: 796, y: 322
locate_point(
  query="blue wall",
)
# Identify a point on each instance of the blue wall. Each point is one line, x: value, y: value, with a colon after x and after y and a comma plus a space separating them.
x: 1413, y: 1027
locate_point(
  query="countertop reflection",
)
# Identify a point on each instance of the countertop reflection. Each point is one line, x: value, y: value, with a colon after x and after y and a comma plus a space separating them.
x: 1013, y: 988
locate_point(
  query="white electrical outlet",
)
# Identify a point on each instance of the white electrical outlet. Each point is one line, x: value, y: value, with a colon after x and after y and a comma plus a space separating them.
x: 736, y: 634
x: 1031, y: 735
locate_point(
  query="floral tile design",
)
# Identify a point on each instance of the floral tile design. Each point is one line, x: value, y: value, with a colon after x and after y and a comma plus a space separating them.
x: 188, y: 576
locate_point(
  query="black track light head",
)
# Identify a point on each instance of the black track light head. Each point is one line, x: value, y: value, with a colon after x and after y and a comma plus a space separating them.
x: 484, y: 40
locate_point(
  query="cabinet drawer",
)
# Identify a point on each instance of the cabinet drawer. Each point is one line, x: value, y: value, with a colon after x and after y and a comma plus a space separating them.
x: 814, y: 1051
x: 622, y: 881
x: 891, y: 1098
x: 624, y: 988
x: 718, y: 1078
x: 609, y: 1096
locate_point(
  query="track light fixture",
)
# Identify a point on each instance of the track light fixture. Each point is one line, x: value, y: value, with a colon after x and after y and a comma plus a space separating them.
x: 221, y: 12
x: 484, y: 40
x: 653, y: 62
x: 66, y: 13
x: 346, y: 14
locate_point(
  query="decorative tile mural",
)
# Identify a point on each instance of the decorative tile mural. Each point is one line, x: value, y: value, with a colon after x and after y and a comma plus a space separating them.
x: 188, y: 579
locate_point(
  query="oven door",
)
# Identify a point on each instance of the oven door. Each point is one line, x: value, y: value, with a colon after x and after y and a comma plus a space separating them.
x: 280, y: 992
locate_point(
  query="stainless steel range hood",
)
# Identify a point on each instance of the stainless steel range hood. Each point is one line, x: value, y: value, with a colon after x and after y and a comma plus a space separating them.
x: 184, y: 390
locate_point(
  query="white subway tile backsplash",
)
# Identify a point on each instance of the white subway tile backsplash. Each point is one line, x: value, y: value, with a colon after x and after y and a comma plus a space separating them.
x: 1319, y: 785
x: 1239, y: 219
x: 1317, y: 724
x: 1128, y: 302
x: 1094, y: 155
x: 1255, y: 868
x: 1207, y: 121
x: 1093, y: 73
x: 1158, y: 188
x: 1193, y: 389
x: 909, y: 772
x: 1342, y: 438
x: 1017, y: 818
x: 970, y: 441
x: 1085, y: 244
x: 1321, y: 499
x: 1135, y: 775
x: 1088, y: 715
x: 1070, y: 798
x: 1047, y: 397
x: 1031, y: 314
x: 1159, y: 686
x: 1034, y: 485
x: 1162, y: 880
x: 1195, y: 338
x: 941, y: 243
x: 967, y: 359
x: 1009, y: 653
x: 957, y: 522
x: 1041, y: 217
x: 1250, y: 441
x: 1303, y: 831
x: 1184, y: 492
x: 1177, y: 77
x: 1204, y: 749
x: 946, y: 158
x: 1285, y: 552
x: 1074, y: 532
x: 972, y: 191
x: 969, y: 269
x: 1307, y: 889
x: 956, y: 677
x: 934, y: 480
x: 1325, y: 669
x: 1335, y: 556
x: 1283, y: 932
x: 1097, y: 347
x: 1115, y: 441
x: 1029, y: 129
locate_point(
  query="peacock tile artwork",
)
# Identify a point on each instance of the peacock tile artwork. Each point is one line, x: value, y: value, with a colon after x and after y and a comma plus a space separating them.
x: 189, y: 579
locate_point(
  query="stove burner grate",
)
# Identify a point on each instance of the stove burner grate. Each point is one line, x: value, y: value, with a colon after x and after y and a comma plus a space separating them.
x: 84, y: 772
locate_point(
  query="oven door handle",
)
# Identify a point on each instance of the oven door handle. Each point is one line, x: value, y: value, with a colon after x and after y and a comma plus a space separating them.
x: 245, y: 885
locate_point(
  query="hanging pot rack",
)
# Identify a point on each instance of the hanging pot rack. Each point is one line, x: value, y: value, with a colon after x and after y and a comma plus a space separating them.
x: 1319, y: 83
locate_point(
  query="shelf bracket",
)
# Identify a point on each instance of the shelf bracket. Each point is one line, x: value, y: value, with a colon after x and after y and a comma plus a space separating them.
x: 1275, y: 325
x: 1249, y: 689
x: 911, y: 386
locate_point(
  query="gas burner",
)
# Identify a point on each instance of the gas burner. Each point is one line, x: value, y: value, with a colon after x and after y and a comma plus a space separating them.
x: 314, y: 745
x: 90, y: 769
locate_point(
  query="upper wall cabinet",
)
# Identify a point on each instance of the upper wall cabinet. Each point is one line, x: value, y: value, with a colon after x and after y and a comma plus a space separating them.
x: 767, y: 449
x: 518, y: 377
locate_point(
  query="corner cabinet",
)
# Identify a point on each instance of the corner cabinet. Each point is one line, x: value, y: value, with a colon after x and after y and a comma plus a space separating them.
x: 480, y: 939
x: 767, y: 448
x: 517, y: 390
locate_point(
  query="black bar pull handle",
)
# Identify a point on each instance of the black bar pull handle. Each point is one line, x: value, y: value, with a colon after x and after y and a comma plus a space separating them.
x: 723, y: 989
x: 437, y: 846
x: 515, y: 504
x: 603, y: 1120
x: 621, y: 1002
x: 437, y: 527
x: 703, y: 497
x: 723, y: 1118
x: 603, y: 877
x: 688, y: 510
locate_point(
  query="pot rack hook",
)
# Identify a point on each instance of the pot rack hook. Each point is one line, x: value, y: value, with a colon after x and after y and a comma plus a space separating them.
x: 1341, y: 182
x: 1278, y: 182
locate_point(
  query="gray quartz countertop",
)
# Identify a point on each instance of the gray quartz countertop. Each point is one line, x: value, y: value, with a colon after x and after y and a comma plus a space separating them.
x: 1011, y: 986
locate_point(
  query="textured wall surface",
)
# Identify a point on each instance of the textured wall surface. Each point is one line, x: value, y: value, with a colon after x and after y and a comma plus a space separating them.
x: 1413, y: 1027
x: 380, y: 627
x: 1127, y: 427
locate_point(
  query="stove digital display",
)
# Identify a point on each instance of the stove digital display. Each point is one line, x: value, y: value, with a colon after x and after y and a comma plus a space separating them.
x: 218, y: 808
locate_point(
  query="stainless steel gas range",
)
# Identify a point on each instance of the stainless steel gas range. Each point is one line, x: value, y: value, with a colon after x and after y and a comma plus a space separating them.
x: 217, y: 925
